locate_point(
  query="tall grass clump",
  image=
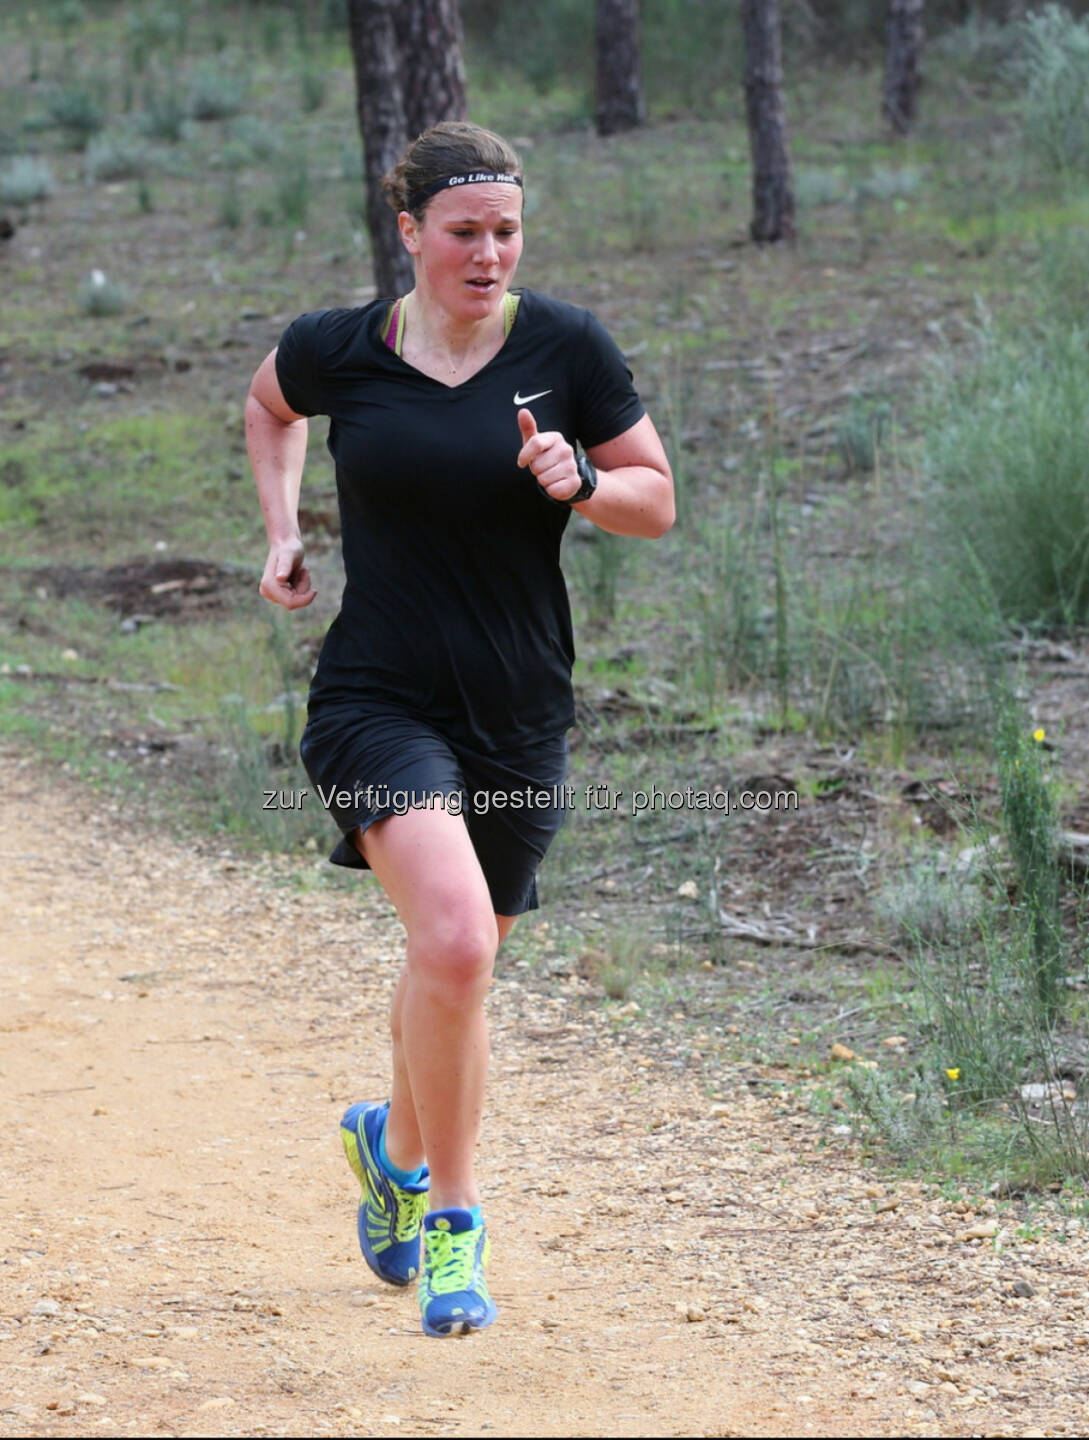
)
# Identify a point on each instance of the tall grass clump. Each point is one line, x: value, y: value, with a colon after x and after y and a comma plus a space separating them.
x: 1031, y: 824
x: 78, y: 111
x: 292, y: 190
x: 312, y: 87
x: 164, y: 114
x: 115, y: 157
x: 150, y: 31
x: 1006, y: 449
x: 729, y: 602
x: 25, y: 179
x: 1052, y: 66
x: 216, y: 91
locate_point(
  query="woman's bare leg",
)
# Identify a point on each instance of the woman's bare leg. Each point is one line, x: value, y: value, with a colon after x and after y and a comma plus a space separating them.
x: 404, y: 1143
x: 427, y: 865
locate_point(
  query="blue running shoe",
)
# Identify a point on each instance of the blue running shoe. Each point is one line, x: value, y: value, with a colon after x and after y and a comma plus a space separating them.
x: 454, y: 1297
x: 390, y: 1215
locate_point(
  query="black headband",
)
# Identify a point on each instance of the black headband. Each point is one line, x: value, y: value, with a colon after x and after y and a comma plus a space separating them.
x: 469, y: 177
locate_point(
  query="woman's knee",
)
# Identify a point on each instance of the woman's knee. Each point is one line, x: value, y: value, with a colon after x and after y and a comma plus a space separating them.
x: 453, y: 954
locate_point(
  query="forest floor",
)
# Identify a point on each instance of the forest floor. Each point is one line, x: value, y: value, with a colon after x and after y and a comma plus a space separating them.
x: 672, y: 1256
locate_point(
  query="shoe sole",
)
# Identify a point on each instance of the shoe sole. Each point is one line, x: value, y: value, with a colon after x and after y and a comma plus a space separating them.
x: 460, y: 1327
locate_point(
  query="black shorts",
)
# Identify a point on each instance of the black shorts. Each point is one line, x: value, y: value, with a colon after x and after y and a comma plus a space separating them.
x: 368, y: 764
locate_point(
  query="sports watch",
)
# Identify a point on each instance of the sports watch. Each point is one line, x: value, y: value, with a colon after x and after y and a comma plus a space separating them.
x: 588, y: 476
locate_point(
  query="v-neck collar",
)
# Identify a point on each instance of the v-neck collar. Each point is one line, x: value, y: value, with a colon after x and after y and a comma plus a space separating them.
x: 394, y: 354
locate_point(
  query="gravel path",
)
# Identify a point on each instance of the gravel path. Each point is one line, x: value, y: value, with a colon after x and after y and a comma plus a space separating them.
x: 178, y: 1036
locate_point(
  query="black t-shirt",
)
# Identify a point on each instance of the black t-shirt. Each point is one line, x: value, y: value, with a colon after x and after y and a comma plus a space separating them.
x: 455, y: 607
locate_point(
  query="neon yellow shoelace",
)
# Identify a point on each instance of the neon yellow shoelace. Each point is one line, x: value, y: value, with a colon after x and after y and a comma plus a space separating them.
x: 451, y: 1260
x: 410, y: 1212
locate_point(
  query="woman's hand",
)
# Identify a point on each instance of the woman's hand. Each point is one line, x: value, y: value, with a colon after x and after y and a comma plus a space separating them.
x: 550, y: 458
x: 286, y: 580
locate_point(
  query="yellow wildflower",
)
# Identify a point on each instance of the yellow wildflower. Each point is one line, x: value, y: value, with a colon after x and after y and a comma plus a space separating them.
x: 953, y: 1074
x: 1040, y: 734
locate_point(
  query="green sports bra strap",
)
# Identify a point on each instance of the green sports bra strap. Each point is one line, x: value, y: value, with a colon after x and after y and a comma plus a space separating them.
x: 393, y: 327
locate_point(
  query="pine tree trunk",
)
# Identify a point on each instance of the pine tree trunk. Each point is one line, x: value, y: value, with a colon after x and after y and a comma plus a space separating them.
x: 620, y: 103
x: 380, y: 110
x: 432, y: 71
x: 903, y: 64
x: 772, y: 187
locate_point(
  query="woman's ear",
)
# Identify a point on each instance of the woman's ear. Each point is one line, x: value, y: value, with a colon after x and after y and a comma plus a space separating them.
x: 409, y: 229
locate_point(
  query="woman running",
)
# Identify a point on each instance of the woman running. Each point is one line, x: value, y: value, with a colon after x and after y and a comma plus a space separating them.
x: 438, y: 710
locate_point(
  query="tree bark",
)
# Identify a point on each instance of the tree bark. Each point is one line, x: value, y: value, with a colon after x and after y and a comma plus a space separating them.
x: 620, y: 103
x: 903, y: 64
x: 432, y: 70
x: 381, y: 114
x: 772, y: 187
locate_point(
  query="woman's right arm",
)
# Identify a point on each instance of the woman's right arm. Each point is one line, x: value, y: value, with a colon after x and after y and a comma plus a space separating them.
x: 276, y: 440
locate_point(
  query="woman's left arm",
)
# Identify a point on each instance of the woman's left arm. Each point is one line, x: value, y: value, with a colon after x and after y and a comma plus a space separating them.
x: 634, y: 493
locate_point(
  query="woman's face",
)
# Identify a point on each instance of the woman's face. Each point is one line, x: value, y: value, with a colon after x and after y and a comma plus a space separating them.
x: 467, y: 247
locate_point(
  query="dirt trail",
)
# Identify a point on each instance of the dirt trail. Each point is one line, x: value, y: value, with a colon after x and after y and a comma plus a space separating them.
x: 178, y: 1036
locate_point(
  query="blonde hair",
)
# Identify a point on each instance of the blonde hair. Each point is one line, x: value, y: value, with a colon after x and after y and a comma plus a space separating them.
x: 453, y: 147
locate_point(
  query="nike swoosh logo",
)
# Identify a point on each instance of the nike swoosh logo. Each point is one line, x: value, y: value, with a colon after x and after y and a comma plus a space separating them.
x: 525, y: 399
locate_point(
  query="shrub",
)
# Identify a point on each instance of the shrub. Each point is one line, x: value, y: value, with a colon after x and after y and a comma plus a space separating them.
x: 312, y: 88
x: 1053, y: 68
x: 25, y: 179
x: 76, y: 110
x: 980, y: 48
x: 1031, y: 825
x: 293, y: 191
x: 99, y: 295
x: 929, y: 908
x: 216, y: 92
x: 862, y: 432
x: 1006, y: 448
x: 151, y: 30
x: 260, y: 140
x: 164, y: 114
x: 230, y: 205
x: 115, y: 157
x: 815, y: 188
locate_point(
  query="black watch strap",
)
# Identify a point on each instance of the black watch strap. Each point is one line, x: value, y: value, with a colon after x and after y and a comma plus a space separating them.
x: 588, y: 476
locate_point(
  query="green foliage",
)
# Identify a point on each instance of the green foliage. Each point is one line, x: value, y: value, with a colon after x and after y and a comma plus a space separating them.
x: 151, y: 31
x: 99, y: 296
x: 1031, y: 826
x: 862, y: 433
x: 313, y: 83
x: 164, y: 113
x: 1052, y: 65
x: 596, y: 563
x: 980, y: 48
x: 77, y: 110
x: 906, y: 1119
x: 977, y: 1010
x: 292, y: 190
x: 816, y: 188
x: 115, y: 156
x: 217, y: 90
x: 1006, y: 445
x: 25, y: 179
x: 544, y: 45
x: 691, y: 55
x: 230, y: 204
x: 731, y: 645
x: 257, y: 139
x: 929, y: 907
